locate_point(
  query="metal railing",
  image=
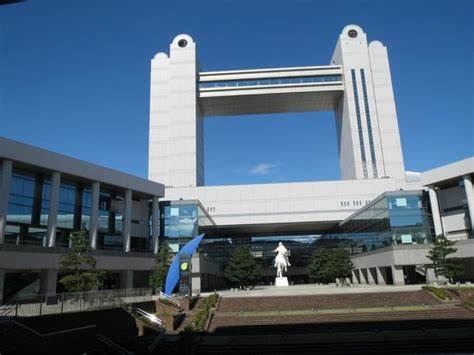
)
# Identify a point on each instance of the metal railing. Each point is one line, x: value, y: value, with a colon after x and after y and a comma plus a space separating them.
x: 37, y: 305
x: 170, y: 299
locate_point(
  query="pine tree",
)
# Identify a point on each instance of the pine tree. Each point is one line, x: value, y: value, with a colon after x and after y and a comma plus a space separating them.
x: 163, y: 261
x: 341, y: 264
x: 327, y: 265
x: 242, y: 269
x: 79, y: 265
x: 438, y: 254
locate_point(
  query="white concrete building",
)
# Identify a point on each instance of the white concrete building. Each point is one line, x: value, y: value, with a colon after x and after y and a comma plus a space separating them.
x: 356, y: 85
x: 450, y: 188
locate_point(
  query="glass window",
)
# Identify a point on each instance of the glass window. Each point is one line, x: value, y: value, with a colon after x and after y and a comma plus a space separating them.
x: 21, y: 198
x: 86, y: 208
x: 275, y: 81
x: 67, y: 205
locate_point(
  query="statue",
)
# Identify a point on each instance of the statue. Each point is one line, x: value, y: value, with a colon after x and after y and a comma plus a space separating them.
x: 281, y: 260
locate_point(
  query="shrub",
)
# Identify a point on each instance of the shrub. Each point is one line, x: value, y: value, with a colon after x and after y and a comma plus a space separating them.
x: 212, y: 300
x: 438, y: 292
x: 188, y: 328
x: 469, y: 302
x: 201, y: 316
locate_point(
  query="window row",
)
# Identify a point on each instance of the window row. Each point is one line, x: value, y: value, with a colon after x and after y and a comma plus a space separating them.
x: 276, y: 81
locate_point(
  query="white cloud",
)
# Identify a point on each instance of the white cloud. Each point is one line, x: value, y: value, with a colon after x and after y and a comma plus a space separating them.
x: 262, y: 169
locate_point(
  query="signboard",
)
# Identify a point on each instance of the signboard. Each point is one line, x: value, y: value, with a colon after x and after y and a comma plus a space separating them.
x: 406, y: 239
x: 401, y: 202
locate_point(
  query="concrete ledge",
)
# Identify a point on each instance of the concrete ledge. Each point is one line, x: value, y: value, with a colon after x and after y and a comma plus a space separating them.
x: 413, y: 254
x: 48, y: 258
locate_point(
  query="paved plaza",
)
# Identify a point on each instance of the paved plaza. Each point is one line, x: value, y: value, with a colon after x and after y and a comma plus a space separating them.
x: 312, y: 289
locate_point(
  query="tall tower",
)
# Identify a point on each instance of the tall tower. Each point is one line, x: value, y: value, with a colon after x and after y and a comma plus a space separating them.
x: 176, y: 146
x: 363, y: 100
x: 366, y: 117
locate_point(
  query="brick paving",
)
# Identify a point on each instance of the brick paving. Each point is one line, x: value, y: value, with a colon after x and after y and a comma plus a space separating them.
x: 280, y: 303
x: 223, y: 320
x: 226, y: 314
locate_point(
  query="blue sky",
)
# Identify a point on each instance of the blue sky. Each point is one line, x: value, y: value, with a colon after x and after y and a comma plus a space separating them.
x: 74, y: 78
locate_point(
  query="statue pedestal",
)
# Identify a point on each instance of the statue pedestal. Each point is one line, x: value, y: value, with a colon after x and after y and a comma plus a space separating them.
x: 281, y: 281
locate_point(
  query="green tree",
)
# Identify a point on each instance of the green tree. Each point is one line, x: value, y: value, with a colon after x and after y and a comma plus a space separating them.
x: 327, y: 265
x: 163, y: 261
x: 438, y: 254
x: 79, y: 265
x: 242, y: 269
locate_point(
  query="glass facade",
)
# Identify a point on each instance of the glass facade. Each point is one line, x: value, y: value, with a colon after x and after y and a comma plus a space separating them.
x: 86, y: 207
x: 24, y: 222
x: 67, y: 205
x: 29, y: 204
x: 45, y: 193
x: 110, y: 221
x: 394, y: 218
x: 22, y: 198
x: 180, y: 221
x: 275, y: 81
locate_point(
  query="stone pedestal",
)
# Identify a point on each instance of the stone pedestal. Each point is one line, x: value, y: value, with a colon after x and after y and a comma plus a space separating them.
x: 281, y: 281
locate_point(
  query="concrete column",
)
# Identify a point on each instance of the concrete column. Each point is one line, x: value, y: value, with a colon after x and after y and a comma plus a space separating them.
x: 355, y: 279
x: 127, y: 220
x: 126, y: 279
x: 430, y: 276
x: 397, y: 275
x: 197, y: 277
x: 438, y: 227
x: 381, y: 275
x: 155, y: 224
x: 370, y: 276
x: 470, y: 200
x: 7, y: 168
x: 48, y: 282
x: 94, y: 216
x: 363, y: 276
x: 53, y: 208
x: 2, y: 283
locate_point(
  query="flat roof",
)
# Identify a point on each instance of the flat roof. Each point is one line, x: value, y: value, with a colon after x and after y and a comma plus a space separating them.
x: 42, y: 159
x: 447, y: 173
